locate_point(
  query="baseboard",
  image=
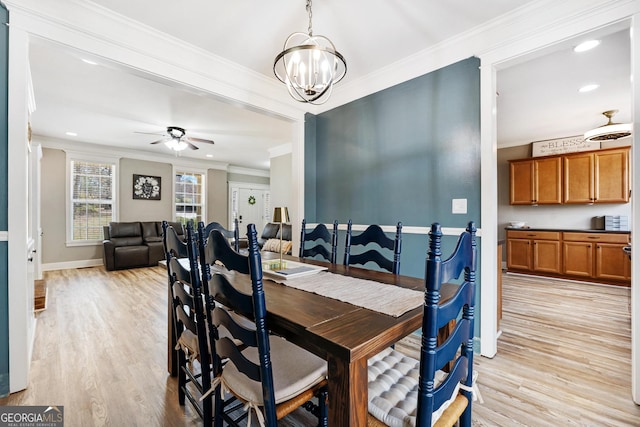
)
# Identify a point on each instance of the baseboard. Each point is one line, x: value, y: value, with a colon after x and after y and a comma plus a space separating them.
x: 72, y: 264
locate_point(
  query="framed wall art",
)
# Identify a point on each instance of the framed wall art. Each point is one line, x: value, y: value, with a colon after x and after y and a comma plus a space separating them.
x: 146, y: 187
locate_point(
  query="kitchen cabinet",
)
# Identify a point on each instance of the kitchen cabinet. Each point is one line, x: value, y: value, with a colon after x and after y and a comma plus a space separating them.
x: 597, y: 177
x: 597, y: 256
x: 578, y: 178
x: 591, y: 256
x: 536, y: 181
x: 535, y: 251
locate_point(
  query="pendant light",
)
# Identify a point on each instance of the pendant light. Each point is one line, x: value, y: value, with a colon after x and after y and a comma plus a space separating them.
x: 309, y: 65
x: 610, y: 131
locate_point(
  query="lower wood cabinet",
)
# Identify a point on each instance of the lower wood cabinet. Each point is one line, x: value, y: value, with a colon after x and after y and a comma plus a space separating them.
x: 537, y: 251
x: 589, y: 256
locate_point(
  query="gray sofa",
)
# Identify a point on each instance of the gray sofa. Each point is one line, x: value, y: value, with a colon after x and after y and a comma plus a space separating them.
x: 134, y: 244
x: 272, y: 231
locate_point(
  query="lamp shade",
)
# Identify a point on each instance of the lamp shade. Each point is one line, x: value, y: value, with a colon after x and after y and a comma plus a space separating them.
x: 280, y: 214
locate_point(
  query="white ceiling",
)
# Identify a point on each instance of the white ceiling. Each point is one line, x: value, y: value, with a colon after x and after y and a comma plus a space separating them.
x: 107, y: 103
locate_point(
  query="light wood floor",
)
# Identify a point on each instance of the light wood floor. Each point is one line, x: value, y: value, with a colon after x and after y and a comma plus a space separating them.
x: 563, y: 357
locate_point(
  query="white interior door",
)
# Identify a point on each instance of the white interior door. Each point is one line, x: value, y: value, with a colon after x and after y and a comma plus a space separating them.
x: 250, y: 206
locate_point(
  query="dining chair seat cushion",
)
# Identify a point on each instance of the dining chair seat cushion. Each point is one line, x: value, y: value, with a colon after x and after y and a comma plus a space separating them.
x: 393, y: 389
x: 294, y: 371
x: 188, y: 342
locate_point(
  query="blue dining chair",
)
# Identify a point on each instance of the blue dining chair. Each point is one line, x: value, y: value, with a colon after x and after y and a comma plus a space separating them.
x: 268, y: 374
x: 319, y: 242
x: 405, y: 391
x: 190, y: 324
x: 234, y: 234
x: 372, y: 240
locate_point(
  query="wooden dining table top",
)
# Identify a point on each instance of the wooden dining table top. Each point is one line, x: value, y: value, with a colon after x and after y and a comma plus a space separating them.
x: 343, y: 334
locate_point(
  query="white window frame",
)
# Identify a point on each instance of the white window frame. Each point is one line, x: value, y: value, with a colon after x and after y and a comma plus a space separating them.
x: 189, y: 169
x: 84, y: 157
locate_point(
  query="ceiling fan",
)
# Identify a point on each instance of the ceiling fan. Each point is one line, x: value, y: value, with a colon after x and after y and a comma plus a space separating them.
x: 176, y: 139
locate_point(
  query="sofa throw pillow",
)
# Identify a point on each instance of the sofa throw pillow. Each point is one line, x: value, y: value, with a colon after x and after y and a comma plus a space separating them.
x: 273, y: 245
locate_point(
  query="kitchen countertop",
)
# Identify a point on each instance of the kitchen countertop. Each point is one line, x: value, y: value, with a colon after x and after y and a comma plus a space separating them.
x: 575, y: 230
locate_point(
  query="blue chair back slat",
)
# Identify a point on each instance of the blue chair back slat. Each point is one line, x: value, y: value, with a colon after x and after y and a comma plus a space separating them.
x: 229, y: 234
x: 172, y: 243
x: 445, y: 389
x: 451, y: 309
x: 373, y: 235
x: 432, y: 356
x: 227, y: 349
x: 447, y: 350
x: 456, y: 263
x: 219, y: 250
x: 321, y: 242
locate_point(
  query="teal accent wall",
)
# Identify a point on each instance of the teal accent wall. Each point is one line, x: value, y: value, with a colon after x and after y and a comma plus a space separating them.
x: 4, y: 281
x: 401, y: 154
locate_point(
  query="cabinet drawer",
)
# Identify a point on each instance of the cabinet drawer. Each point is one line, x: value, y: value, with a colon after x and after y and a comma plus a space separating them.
x: 538, y: 235
x: 596, y: 237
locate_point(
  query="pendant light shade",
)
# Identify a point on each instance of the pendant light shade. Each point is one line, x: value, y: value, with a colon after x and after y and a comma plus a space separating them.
x: 610, y: 131
x: 309, y: 65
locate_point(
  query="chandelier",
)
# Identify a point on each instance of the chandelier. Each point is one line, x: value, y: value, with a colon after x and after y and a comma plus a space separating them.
x: 309, y: 65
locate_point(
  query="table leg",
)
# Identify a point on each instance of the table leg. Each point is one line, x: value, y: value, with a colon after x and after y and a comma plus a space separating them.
x: 348, y: 392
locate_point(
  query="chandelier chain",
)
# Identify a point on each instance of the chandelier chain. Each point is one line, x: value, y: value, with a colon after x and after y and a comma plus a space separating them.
x: 310, y: 16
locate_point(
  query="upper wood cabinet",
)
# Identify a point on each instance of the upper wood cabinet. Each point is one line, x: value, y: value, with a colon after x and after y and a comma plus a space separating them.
x: 536, y: 181
x: 597, y: 177
x: 589, y: 177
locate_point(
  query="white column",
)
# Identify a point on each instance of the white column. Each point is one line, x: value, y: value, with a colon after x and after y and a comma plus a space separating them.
x: 21, y: 317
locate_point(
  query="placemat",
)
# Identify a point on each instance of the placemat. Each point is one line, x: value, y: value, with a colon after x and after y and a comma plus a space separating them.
x: 387, y: 299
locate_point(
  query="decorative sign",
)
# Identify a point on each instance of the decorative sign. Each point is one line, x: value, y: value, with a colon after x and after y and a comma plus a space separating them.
x: 570, y: 144
x: 146, y: 187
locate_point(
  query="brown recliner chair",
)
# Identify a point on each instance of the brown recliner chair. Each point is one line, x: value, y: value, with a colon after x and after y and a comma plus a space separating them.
x: 124, y: 247
x: 134, y: 244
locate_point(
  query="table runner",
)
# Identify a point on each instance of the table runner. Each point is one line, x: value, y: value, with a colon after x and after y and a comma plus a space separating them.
x: 383, y: 298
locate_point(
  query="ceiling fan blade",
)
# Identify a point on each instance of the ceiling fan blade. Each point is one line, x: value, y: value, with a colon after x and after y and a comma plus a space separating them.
x: 204, y: 141
x: 150, y: 133
x: 159, y: 141
x: 193, y: 147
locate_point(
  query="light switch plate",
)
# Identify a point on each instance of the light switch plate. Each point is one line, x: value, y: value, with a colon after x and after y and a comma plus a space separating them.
x: 459, y: 206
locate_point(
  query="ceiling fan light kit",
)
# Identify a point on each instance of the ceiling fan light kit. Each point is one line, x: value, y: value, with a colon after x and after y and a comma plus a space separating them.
x: 178, y: 141
x: 610, y: 131
x: 309, y: 65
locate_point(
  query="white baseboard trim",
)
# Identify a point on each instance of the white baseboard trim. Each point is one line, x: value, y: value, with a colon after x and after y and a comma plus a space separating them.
x: 71, y: 264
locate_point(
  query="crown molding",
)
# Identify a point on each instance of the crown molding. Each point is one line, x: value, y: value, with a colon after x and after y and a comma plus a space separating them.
x: 535, y: 25
x: 106, y: 151
x: 248, y: 171
x: 280, y: 150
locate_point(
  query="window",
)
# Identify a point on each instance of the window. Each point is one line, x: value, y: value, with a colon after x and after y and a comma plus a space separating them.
x: 189, y: 189
x: 92, y: 199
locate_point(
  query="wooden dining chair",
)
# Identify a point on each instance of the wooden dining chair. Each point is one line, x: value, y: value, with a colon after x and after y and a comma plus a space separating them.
x: 190, y: 325
x: 405, y: 391
x: 233, y: 235
x: 370, y: 240
x: 268, y: 374
x: 319, y: 242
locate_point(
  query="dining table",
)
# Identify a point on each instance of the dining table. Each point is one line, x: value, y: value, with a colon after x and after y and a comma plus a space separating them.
x: 344, y: 334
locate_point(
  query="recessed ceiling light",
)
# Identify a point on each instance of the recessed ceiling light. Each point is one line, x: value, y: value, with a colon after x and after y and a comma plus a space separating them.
x: 585, y: 46
x: 88, y: 61
x: 71, y: 133
x: 588, y: 88
x: 209, y: 155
